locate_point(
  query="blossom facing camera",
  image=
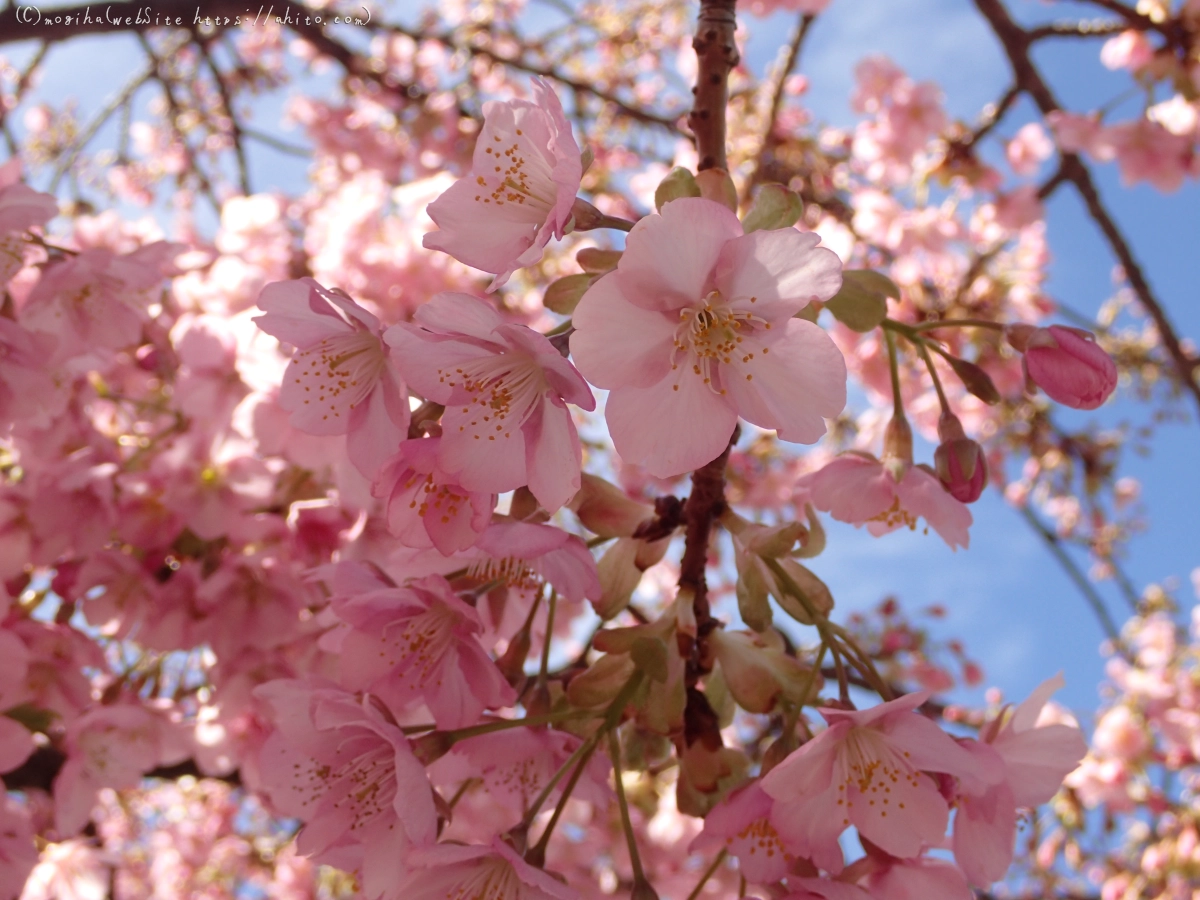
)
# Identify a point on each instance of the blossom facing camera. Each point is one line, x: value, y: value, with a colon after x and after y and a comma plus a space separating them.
x: 696, y: 327
x: 520, y: 190
x: 1067, y: 364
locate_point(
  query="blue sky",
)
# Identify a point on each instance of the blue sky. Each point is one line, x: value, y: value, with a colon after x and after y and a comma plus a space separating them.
x: 1016, y: 611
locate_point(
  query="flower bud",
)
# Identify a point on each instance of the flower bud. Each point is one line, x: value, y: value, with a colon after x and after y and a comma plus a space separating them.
x: 716, y: 185
x: 897, y: 447
x: 606, y: 510
x: 601, y: 682
x: 1068, y: 365
x: 757, y: 671
x: 959, y: 461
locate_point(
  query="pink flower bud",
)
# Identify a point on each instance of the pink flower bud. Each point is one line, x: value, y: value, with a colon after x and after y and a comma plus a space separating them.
x: 961, y: 469
x: 1069, y: 366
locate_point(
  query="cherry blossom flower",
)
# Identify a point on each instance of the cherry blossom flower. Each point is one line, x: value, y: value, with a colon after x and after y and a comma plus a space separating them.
x: 695, y: 327
x: 425, y: 507
x: 110, y: 746
x: 824, y: 889
x: 342, y: 379
x: 867, y: 769
x: 339, y: 765
x: 98, y: 299
x: 742, y: 825
x: 521, y: 552
x: 1025, y: 763
x: 455, y: 871
x: 22, y: 208
x: 505, y: 388
x: 516, y: 764
x: 418, y: 641
x: 523, y: 181
x: 859, y: 489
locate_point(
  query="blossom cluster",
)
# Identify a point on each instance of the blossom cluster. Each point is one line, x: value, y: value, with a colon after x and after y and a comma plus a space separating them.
x: 336, y: 520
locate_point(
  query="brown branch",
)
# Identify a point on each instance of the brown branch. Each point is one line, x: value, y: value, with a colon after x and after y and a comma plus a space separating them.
x: 1095, y: 28
x: 1016, y: 41
x: 550, y: 72
x: 716, y: 54
x: 766, y: 143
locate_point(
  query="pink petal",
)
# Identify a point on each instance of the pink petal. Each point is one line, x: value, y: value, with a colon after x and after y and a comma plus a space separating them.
x: 670, y: 428
x: 923, y: 495
x: 669, y: 257
x: 617, y: 344
x: 553, y: 455
x: 793, y: 385
x: 782, y: 270
x: 378, y: 426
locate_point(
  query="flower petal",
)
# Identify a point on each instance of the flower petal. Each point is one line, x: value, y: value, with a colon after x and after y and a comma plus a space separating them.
x: 617, y: 344
x: 782, y: 270
x: 669, y: 258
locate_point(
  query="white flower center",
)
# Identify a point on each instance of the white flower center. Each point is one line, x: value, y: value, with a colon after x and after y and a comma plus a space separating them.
x: 712, y: 335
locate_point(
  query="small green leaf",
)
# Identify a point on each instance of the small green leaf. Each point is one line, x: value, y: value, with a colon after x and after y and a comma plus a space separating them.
x: 774, y: 207
x: 678, y: 183
x: 564, y: 295
x: 861, y: 304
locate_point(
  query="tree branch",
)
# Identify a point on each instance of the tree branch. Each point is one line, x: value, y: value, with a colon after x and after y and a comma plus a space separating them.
x: 1016, y: 41
x: 716, y: 54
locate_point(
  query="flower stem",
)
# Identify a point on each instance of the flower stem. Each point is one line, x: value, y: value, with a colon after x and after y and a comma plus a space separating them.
x: 894, y: 368
x: 708, y: 873
x: 614, y: 752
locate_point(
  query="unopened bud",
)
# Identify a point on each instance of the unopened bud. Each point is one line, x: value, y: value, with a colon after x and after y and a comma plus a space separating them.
x: 678, y: 184
x: 512, y: 663
x: 716, y: 185
x: 774, y: 207
x: 897, y: 447
x: 959, y: 462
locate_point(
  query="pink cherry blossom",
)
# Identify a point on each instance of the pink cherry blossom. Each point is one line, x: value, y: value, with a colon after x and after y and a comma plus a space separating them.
x: 98, y: 299
x: 110, y: 746
x: 418, y: 642
x: 859, y: 489
x: 516, y: 764
x: 28, y: 391
x: 1128, y: 50
x: 523, y: 181
x: 348, y: 773
x: 457, y: 871
x: 766, y: 7
x: 1028, y: 149
x: 426, y: 507
x: 342, y: 378
x: 696, y: 327
x: 742, y: 825
x: 518, y: 551
x: 505, y: 388
x: 867, y: 769
x: 1024, y: 764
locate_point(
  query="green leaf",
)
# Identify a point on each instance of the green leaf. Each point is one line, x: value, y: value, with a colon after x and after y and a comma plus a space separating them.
x: 564, y: 295
x: 861, y: 304
x: 774, y: 207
